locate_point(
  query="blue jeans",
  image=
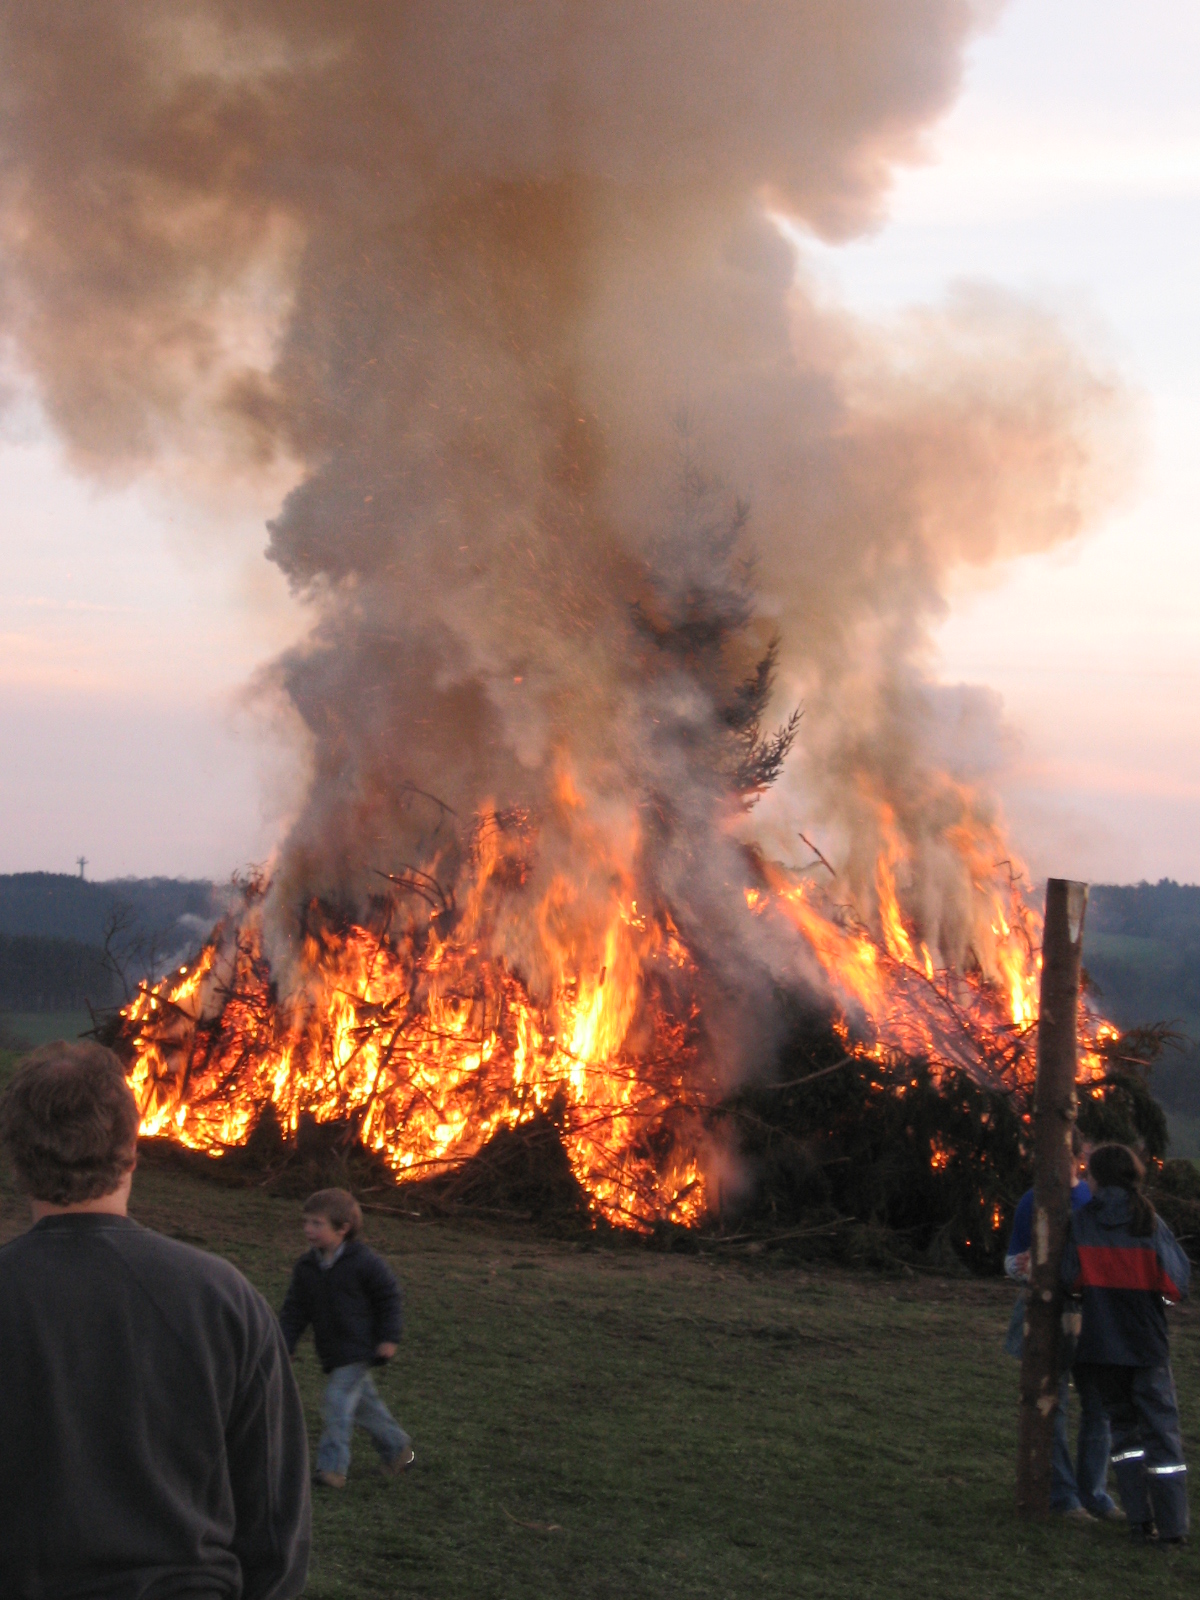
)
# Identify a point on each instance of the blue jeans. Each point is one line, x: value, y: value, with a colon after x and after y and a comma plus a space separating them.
x: 1085, y: 1484
x: 351, y: 1397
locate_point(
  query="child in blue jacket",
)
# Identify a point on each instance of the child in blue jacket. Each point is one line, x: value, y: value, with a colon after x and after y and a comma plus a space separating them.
x: 351, y: 1297
x: 1124, y: 1262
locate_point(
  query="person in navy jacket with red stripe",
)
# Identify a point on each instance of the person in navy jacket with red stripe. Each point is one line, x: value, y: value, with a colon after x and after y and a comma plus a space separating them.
x: 1124, y: 1263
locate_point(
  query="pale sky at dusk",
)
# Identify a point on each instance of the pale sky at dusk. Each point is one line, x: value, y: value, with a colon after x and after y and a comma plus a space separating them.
x: 132, y: 617
x: 1070, y: 171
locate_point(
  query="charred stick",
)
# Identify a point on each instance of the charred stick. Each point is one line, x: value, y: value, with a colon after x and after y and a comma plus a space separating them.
x: 819, y: 855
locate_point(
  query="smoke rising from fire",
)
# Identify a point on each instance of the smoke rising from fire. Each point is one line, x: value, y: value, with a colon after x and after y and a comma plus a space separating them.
x: 505, y: 282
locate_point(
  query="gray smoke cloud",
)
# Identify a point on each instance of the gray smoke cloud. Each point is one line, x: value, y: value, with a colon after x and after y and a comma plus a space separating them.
x: 533, y: 331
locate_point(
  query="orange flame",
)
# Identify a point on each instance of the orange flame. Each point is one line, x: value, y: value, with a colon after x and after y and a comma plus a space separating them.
x: 431, y: 1049
x: 895, y: 935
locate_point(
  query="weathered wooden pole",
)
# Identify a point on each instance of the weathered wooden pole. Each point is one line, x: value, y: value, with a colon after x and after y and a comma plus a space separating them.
x: 1053, y: 1173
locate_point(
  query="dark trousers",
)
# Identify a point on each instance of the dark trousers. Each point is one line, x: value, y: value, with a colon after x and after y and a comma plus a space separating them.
x: 1146, y: 1445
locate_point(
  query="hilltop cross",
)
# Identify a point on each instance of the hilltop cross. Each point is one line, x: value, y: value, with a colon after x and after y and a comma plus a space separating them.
x: 81, y: 862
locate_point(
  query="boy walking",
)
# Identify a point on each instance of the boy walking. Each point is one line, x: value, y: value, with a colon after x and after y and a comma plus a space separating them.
x: 351, y: 1297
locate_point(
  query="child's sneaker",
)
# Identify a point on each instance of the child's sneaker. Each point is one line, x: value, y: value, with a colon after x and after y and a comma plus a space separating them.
x: 398, y: 1464
x: 329, y: 1480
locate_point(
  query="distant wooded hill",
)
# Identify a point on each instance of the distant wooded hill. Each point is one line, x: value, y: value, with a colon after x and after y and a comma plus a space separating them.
x: 54, y: 930
x: 56, y: 905
x: 39, y: 974
x: 1163, y: 910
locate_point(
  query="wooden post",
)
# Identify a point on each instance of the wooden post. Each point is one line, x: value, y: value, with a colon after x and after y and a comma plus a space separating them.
x: 1053, y: 1176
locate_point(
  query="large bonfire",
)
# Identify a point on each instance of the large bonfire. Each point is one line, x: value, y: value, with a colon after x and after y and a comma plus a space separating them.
x: 399, y: 1026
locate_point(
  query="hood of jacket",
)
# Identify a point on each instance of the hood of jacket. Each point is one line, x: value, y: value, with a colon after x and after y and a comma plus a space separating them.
x: 1112, y: 1208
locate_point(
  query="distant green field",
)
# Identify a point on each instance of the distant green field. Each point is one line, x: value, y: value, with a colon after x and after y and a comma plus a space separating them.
x: 1130, y: 949
x: 21, y: 1031
x: 31, y: 1028
x: 1149, y: 977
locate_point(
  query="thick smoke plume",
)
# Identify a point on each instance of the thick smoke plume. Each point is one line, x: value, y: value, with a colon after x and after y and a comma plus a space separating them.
x: 504, y: 281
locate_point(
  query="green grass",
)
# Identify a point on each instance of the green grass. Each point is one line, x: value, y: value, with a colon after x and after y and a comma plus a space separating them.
x: 620, y: 1423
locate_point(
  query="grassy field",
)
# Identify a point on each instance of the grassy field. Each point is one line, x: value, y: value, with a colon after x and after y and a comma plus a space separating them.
x: 32, y: 1028
x: 620, y: 1423
x: 1132, y: 950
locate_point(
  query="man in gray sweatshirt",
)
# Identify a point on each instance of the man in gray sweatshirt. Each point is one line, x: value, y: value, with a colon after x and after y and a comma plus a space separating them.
x: 153, y: 1443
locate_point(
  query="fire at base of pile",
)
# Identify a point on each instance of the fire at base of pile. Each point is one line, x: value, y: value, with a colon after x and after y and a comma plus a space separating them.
x: 425, y: 1050
x: 893, y: 1123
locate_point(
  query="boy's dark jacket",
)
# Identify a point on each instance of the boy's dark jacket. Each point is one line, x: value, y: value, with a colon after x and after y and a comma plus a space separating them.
x: 353, y: 1305
x: 1122, y: 1279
